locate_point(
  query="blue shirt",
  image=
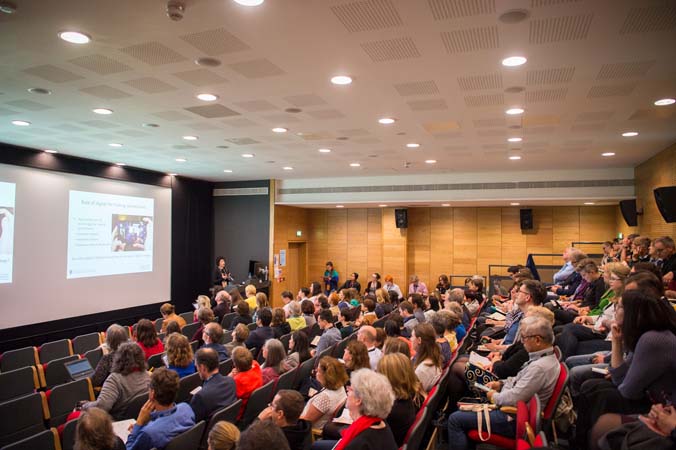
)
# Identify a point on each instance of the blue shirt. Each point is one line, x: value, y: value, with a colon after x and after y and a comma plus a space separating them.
x: 513, y: 328
x: 561, y: 275
x: 162, y: 428
x: 460, y: 332
x: 184, y: 371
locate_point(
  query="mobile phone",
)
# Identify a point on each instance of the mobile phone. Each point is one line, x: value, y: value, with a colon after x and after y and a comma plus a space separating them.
x: 482, y: 387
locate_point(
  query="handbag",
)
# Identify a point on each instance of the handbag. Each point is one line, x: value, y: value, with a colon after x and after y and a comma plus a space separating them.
x: 481, y: 409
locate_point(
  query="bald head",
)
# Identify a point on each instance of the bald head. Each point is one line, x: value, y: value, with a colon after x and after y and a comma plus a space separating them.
x: 367, y: 335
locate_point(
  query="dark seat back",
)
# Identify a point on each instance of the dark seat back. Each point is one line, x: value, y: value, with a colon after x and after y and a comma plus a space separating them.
x: 189, y: 439
x: 285, y: 341
x: 68, y: 435
x: 54, y: 350
x: 228, y: 414
x: 158, y: 324
x: 286, y: 380
x: 257, y: 402
x: 227, y: 320
x: 417, y: 432
x: 64, y: 398
x: 134, y: 406
x: 187, y: 384
x: 94, y: 356
x: 18, y: 382
x: 303, y: 372
x: 190, y: 329
x: 155, y: 361
x: 86, y: 342
x: 188, y: 316
x: 21, y: 357
x: 225, y: 367
x: 45, y: 440
x: 22, y: 417
x: 55, y: 371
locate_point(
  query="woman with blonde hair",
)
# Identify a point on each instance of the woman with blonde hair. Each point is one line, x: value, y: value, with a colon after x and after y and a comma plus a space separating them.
x: 179, y: 355
x: 202, y: 302
x: 223, y: 436
x: 321, y: 408
x: 408, y: 393
x: 383, y: 305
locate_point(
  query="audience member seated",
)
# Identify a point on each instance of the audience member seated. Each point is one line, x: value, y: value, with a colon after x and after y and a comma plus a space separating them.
x: 367, y: 335
x: 472, y: 300
x: 212, y: 335
x: 390, y: 287
x: 160, y: 419
x: 295, y: 319
x: 242, y: 316
x: 393, y: 345
x: 665, y: 250
x: 179, y: 355
x: 223, y: 436
x: 352, y: 283
x: 94, y: 431
x: 235, y: 299
x: 368, y: 310
x: 454, y: 299
x: 205, y: 317
x: 393, y: 328
x: 284, y: 411
x: 299, y: 350
x: 538, y: 377
x: 418, y: 302
x: 217, y: 391
x: 222, y: 305
x: 279, y: 325
x: 323, y: 405
x: 246, y: 373
x: 589, y: 293
x: 356, y: 356
x: 428, y: 360
x: 330, y: 334
x: 451, y: 321
x: 263, y: 332
x: 261, y: 302
x: 444, y: 284
x: 439, y: 325
x: 115, y: 336
x: 369, y: 403
x: 408, y: 393
x: 274, y: 354
x: 239, y: 336
x: 569, y: 285
x: 146, y: 338
x: 250, y: 294
x: 345, y: 322
x: 417, y: 287
x: 308, y: 309
x: 383, y: 304
x: 168, y: 313
x: 172, y: 327
x: 202, y: 302
x: 262, y: 435
x: 410, y: 321
x: 287, y: 298
x: 128, y: 378
x: 567, y: 268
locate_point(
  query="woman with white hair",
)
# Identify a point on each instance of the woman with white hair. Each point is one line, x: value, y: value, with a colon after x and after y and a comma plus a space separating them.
x: 369, y: 401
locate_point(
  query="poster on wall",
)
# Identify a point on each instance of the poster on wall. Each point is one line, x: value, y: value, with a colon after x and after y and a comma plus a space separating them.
x: 282, y: 258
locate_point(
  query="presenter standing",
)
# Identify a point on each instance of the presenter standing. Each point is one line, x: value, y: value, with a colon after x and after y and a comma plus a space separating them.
x: 330, y: 278
x: 222, y: 276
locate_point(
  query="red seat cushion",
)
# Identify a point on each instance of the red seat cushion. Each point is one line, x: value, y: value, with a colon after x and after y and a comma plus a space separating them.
x: 495, y: 439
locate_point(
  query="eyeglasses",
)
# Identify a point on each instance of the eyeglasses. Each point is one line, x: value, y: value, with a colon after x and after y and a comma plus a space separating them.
x: 272, y: 405
x: 615, y: 279
x: 531, y: 337
x: 523, y: 292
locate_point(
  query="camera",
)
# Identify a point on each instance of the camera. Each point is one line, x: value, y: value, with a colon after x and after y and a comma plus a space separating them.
x: 175, y: 10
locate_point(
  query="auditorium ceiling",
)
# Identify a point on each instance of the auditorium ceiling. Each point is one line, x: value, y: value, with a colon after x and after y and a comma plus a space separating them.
x: 594, y: 70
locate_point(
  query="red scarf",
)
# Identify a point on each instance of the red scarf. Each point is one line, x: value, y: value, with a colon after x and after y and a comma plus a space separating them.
x: 351, y: 432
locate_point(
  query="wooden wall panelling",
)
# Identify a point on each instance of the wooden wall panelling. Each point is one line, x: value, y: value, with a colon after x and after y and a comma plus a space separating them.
x: 357, y: 244
x: 489, y: 238
x: 441, y: 243
x: 597, y: 223
x: 418, y: 244
x: 288, y: 219
x: 464, y: 241
x: 542, y: 237
x: 566, y: 227
x: 337, y: 237
x: 660, y: 170
x: 318, y: 242
x: 374, y: 255
x: 513, y: 240
x: 394, y: 249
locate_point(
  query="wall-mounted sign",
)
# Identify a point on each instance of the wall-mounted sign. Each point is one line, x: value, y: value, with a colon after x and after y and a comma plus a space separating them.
x: 282, y: 258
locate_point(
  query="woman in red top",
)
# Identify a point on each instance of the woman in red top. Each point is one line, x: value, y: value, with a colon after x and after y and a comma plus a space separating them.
x: 247, y: 374
x: 146, y: 338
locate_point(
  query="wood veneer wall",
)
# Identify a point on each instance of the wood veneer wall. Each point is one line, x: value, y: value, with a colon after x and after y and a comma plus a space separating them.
x: 660, y: 170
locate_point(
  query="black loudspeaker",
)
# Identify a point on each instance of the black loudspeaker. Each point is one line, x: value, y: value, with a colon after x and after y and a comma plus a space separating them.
x: 665, y: 197
x: 628, y: 208
x: 401, y: 218
x: 526, y: 219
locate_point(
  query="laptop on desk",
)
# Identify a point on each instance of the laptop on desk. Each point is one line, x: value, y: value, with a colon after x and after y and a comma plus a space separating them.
x: 79, y: 369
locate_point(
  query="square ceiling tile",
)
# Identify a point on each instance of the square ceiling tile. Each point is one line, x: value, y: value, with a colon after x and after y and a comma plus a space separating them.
x: 256, y: 68
x: 215, y: 42
x: 367, y: 15
x: 212, y: 111
x: 52, y: 73
x: 255, y: 105
x: 441, y: 127
x: 153, y: 53
x: 28, y: 105
x: 305, y: 100
x: 326, y: 114
x: 100, y: 64
x: 150, y: 85
x: 105, y: 92
x: 200, y: 77
x: 172, y: 116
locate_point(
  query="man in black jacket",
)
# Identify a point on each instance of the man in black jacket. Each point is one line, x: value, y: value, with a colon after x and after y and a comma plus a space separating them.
x: 284, y: 411
x: 261, y: 334
x: 217, y: 391
x: 352, y: 283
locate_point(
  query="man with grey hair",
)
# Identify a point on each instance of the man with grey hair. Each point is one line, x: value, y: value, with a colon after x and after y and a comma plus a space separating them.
x: 537, y: 377
x: 566, y: 269
x: 664, y: 248
x: 367, y: 335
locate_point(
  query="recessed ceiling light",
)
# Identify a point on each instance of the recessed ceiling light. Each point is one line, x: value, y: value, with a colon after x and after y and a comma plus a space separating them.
x: 150, y: 125
x: 207, y: 97
x: 608, y: 154
x: 20, y: 123
x: 115, y: 144
x: 665, y: 102
x: 514, y: 16
x: 294, y: 111
x: 386, y: 120
x: 287, y: 168
x: 412, y: 145
x: 340, y: 206
x: 514, y: 111
x: 181, y: 160
x: 341, y: 80
x: 39, y: 91
x: 120, y: 164
x: 515, y: 139
x: 103, y: 111
x: 630, y: 134
x: 74, y: 37
x: 514, y: 204
x: 355, y: 164
x: 227, y: 170
x: 515, y: 158
x: 588, y: 203
x: 324, y: 150
x: 445, y: 204
x: 247, y: 155
x: 7, y: 7
x: 249, y: 2
x: 383, y: 206
x: 430, y: 161
x: 279, y: 130
x: 190, y: 138
x: 51, y: 151
x: 172, y: 174
x: 208, y: 62
x: 513, y: 61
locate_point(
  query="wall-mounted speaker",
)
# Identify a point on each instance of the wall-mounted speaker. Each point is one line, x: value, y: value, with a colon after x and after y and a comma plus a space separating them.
x: 628, y: 208
x: 665, y: 197
x: 526, y: 219
x: 401, y: 218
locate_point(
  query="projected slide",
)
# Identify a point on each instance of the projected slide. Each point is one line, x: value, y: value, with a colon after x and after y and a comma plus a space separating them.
x: 109, y: 234
x: 7, y: 195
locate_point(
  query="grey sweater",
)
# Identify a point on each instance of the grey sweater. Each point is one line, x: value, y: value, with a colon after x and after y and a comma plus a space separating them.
x: 538, y: 376
x: 118, y: 390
